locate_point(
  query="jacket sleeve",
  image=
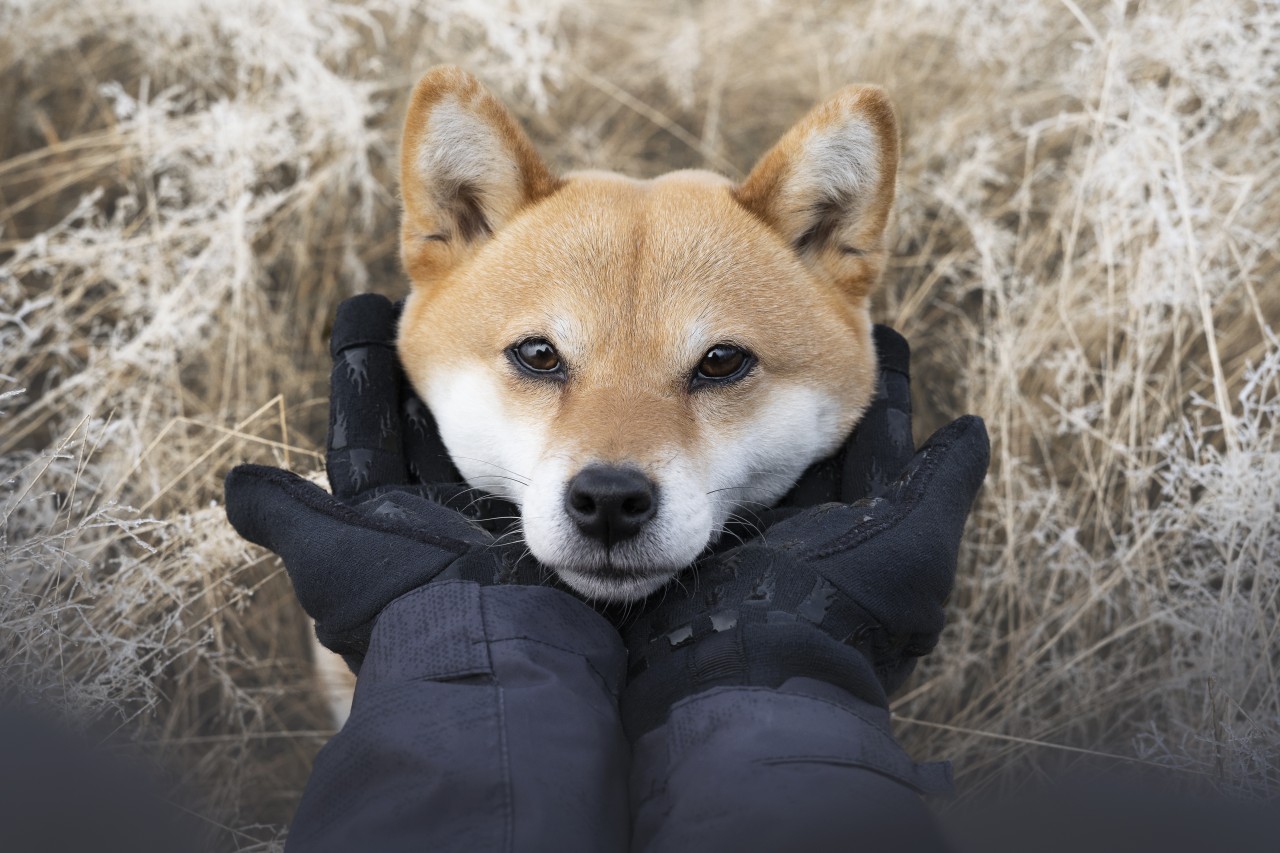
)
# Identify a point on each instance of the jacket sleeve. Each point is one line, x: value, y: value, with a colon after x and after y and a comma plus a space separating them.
x: 484, y: 718
x: 805, y: 766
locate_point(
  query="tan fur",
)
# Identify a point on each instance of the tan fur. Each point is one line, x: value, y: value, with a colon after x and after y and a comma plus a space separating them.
x: 633, y: 280
x: 632, y: 263
x: 852, y: 255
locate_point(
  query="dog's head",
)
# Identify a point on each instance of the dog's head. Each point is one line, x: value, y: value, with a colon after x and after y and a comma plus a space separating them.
x: 629, y: 361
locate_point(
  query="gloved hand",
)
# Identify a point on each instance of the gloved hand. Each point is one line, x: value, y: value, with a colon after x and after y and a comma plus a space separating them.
x: 877, y: 450
x: 399, y: 515
x: 848, y: 592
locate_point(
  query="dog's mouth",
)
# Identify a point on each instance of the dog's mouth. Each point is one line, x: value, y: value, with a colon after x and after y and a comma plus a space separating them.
x: 613, y: 532
x: 589, y: 562
x: 624, y: 571
x: 614, y: 585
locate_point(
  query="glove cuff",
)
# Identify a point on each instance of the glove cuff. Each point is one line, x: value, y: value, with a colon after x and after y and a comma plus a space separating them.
x: 746, y: 655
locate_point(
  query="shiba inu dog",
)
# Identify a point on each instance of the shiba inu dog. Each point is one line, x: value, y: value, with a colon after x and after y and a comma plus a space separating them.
x: 628, y: 361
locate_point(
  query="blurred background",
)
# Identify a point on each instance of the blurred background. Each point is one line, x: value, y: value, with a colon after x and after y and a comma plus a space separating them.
x: 1086, y: 251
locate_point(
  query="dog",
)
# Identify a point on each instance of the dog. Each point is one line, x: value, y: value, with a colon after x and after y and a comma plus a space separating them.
x: 632, y: 361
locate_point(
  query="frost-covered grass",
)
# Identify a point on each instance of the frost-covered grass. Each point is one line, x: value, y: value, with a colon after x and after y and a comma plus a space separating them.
x: 1086, y: 253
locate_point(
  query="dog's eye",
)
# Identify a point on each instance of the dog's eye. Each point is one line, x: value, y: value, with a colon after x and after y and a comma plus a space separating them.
x: 722, y: 362
x: 537, y: 355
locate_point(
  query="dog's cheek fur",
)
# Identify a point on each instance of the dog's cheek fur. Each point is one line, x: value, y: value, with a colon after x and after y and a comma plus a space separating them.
x: 755, y: 462
x: 494, y: 445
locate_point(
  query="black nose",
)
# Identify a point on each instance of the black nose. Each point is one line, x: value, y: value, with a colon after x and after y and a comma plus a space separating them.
x: 610, y: 504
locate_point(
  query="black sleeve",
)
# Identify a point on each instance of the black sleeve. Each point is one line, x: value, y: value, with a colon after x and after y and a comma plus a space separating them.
x: 484, y: 718
x: 805, y: 766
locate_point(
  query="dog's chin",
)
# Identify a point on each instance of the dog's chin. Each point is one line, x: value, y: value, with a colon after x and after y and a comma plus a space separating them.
x: 618, y: 575
x: 613, y: 587
x: 626, y: 571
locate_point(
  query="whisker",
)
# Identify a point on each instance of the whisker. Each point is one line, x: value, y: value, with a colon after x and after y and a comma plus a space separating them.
x: 483, y: 497
x: 734, y: 534
x: 495, y: 465
x: 744, y: 519
x: 510, y: 543
x: 760, y: 504
x: 752, y: 527
x: 775, y: 474
x: 516, y: 534
x: 483, y: 494
x: 503, y: 477
x: 733, y: 488
x: 465, y: 488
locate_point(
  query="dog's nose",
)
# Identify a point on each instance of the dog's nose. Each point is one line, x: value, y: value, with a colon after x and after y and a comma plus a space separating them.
x: 610, y: 504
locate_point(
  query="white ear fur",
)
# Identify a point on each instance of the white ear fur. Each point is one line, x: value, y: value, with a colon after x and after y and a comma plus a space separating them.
x: 832, y: 179
x: 466, y: 168
x: 827, y: 186
x: 463, y: 165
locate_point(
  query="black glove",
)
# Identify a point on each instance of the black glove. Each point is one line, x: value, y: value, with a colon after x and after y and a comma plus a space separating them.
x: 850, y: 593
x: 878, y: 449
x: 398, y: 518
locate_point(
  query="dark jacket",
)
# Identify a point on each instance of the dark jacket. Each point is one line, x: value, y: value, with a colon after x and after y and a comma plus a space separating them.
x: 486, y: 718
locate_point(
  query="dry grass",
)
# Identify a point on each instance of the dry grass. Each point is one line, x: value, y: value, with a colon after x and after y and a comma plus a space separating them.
x: 1086, y: 254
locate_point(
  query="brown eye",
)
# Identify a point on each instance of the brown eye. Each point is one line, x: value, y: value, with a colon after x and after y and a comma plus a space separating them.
x: 723, y: 361
x: 537, y: 355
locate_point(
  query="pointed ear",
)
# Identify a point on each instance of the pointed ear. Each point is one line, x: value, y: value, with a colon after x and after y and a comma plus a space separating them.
x: 466, y: 168
x: 827, y: 186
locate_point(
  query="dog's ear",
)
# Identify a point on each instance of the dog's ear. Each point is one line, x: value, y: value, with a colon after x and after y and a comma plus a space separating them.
x: 827, y: 186
x: 466, y: 168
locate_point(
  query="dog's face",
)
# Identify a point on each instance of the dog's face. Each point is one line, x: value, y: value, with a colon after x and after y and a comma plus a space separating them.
x: 630, y: 361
